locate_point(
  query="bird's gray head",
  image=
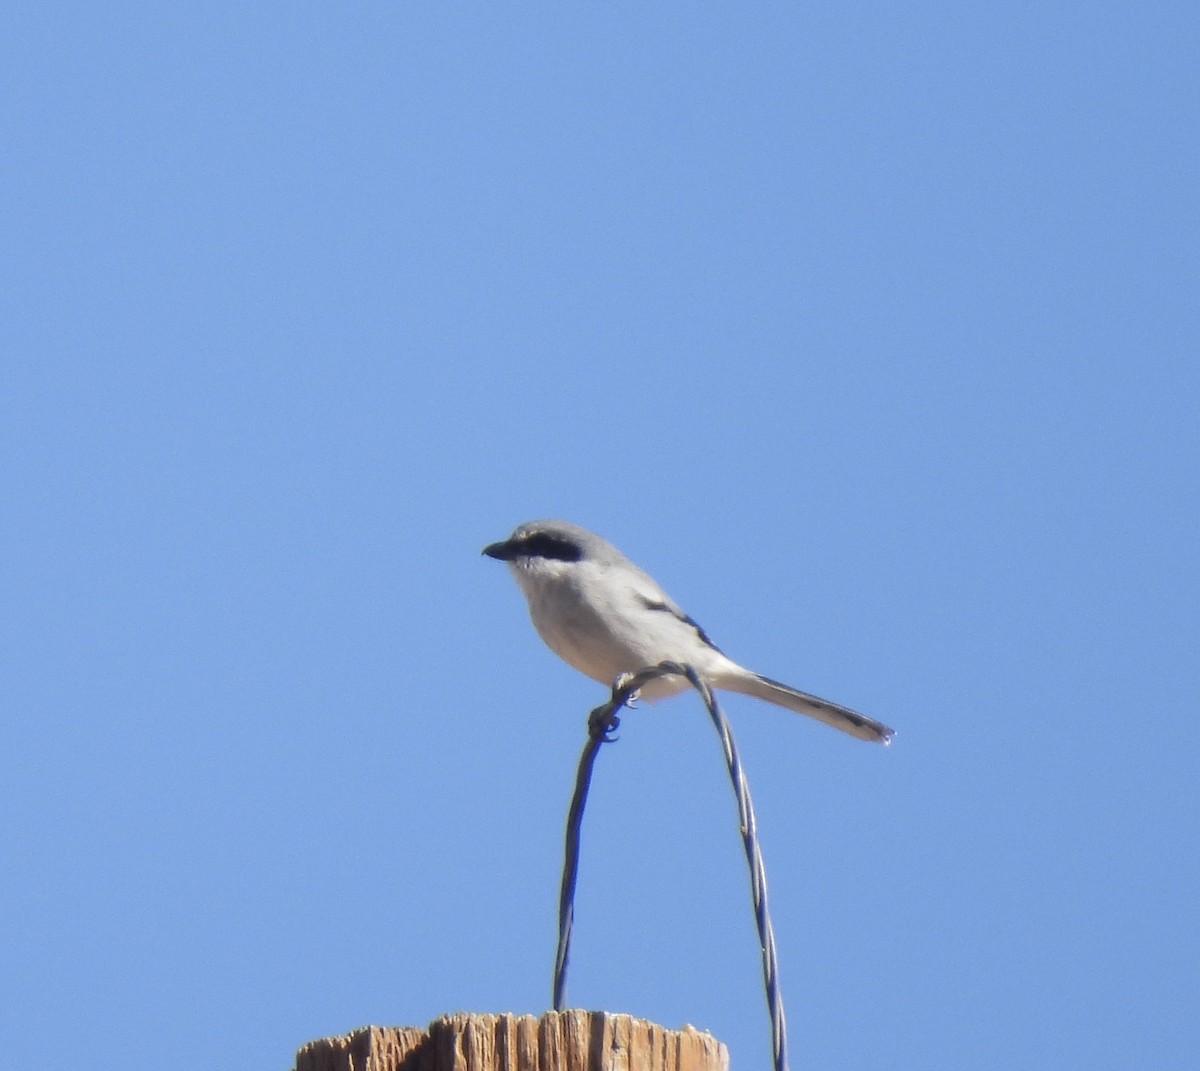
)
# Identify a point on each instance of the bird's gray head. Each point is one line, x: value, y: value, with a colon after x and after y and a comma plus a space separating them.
x: 541, y: 544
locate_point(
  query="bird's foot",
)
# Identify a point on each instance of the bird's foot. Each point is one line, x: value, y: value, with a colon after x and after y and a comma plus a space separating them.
x: 603, y: 724
x: 619, y: 685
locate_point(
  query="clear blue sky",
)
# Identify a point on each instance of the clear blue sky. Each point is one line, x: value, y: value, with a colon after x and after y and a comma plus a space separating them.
x: 871, y: 331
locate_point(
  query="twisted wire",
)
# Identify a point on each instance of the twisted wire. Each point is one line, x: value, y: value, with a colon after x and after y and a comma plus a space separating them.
x: 758, y: 871
x: 602, y: 723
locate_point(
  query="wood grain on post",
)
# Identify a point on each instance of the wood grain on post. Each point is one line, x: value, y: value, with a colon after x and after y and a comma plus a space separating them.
x: 558, y: 1041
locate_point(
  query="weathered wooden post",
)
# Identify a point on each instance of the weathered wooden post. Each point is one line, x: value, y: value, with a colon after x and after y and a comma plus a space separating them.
x: 558, y: 1041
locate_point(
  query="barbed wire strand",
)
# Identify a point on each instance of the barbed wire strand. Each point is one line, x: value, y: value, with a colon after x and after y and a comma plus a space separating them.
x: 758, y: 871
x: 602, y: 723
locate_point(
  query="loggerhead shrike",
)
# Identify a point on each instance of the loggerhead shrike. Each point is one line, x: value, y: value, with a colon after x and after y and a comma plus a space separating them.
x: 603, y: 615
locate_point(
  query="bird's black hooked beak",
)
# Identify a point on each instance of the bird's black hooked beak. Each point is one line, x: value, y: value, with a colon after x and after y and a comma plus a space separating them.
x: 504, y: 552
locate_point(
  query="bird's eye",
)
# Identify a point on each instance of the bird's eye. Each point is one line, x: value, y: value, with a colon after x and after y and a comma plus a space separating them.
x: 545, y: 545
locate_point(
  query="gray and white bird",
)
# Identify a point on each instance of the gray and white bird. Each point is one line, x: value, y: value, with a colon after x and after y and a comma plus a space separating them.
x: 603, y: 615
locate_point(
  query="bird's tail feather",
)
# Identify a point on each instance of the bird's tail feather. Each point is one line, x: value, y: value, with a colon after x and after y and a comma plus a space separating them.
x: 849, y: 721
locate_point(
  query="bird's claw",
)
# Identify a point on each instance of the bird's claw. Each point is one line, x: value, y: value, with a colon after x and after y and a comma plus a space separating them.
x: 603, y: 725
x: 620, y: 684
